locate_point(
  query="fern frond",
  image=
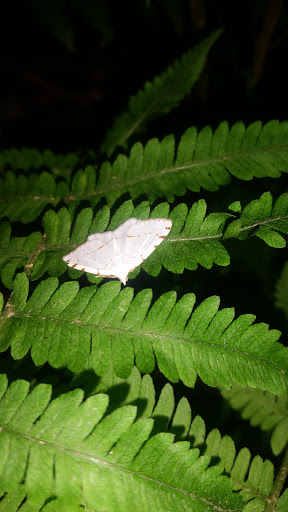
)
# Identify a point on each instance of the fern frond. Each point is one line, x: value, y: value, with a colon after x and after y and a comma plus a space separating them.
x: 194, y: 239
x: 281, y: 292
x: 263, y: 409
x: 159, y: 97
x: 26, y: 159
x: 262, y: 219
x: 65, y: 326
x: 252, y: 478
x: 71, y: 447
x: 203, y: 160
x: 24, y: 198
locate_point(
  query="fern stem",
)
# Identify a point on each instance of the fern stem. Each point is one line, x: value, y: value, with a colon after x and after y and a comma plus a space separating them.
x: 271, y: 502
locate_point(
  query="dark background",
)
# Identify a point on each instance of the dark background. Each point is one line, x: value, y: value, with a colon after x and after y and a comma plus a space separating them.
x: 69, y: 67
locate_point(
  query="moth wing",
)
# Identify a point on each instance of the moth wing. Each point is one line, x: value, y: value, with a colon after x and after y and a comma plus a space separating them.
x: 94, y: 255
x: 143, y: 236
x: 116, y: 253
x: 136, y: 239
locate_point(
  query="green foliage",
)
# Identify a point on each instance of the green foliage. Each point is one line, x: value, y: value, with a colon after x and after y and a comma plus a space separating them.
x: 24, y: 198
x: 263, y: 219
x: 71, y: 435
x: 251, y: 478
x: 27, y: 159
x: 203, y: 160
x: 58, y: 324
x: 88, y: 432
x: 15, y: 252
x: 194, y: 239
x: 71, y: 440
x: 263, y: 409
x: 282, y: 503
x: 159, y: 97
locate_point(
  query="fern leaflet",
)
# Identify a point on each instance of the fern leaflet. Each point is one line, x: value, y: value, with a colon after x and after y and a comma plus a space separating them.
x: 73, y: 328
x: 26, y: 159
x: 24, y: 198
x: 263, y: 219
x: 263, y: 409
x: 159, y: 97
x: 15, y: 252
x: 252, y: 478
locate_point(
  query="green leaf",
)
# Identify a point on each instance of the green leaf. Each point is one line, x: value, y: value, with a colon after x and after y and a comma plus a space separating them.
x: 15, y: 252
x: 233, y: 229
x: 263, y: 409
x: 235, y: 207
x: 203, y: 160
x: 283, y: 501
x: 97, y: 326
x: 181, y: 420
x: 259, y: 479
x: 27, y: 159
x: 159, y: 97
x: 262, y: 219
x: 71, y: 446
x: 271, y: 238
x: 21, y: 289
x: 252, y: 479
x: 23, y: 198
x: 195, y: 239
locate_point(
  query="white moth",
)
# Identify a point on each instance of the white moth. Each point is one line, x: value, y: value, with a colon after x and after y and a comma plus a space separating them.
x: 118, y: 252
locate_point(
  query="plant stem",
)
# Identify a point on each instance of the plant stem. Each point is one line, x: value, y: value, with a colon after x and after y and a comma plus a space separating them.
x: 271, y: 501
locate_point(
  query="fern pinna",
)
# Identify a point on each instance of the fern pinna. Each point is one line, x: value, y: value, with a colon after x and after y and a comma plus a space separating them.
x: 88, y: 420
x: 203, y: 160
